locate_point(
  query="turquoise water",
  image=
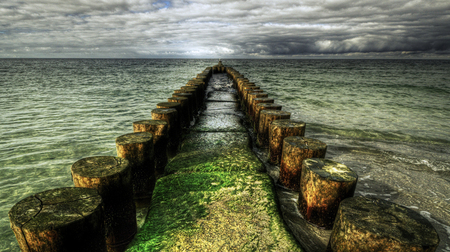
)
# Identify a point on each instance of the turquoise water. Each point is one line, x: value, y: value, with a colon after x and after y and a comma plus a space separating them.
x: 375, y: 113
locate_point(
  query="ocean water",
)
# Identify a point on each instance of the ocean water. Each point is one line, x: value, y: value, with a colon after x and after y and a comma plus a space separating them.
x: 389, y: 120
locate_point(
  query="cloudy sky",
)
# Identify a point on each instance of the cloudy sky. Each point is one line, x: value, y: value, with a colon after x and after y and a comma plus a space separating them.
x: 224, y: 29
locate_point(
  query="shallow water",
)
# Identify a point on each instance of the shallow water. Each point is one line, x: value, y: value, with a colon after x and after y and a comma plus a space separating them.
x: 386, y: 119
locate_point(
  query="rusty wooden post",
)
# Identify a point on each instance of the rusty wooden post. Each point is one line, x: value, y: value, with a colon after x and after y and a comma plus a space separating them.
x: 323, y: 185
x: 254, y: 94
x: 278, y: 130
x: 266, y: 118
x: 295, y: 150
x: 260, y: 107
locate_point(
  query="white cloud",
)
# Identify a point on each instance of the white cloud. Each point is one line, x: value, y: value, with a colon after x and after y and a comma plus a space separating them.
x: 139, y: 28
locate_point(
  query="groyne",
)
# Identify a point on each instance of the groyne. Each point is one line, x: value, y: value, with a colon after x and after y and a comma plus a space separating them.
x: 212, y: 192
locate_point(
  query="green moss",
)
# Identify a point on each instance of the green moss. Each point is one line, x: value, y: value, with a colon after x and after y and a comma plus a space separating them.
x: 214, y: 212
x: 229, y: 158
x: 214, y: 151
x: 210, y: 140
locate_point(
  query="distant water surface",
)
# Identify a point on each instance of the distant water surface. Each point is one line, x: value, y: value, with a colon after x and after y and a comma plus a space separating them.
x: 377, y: 116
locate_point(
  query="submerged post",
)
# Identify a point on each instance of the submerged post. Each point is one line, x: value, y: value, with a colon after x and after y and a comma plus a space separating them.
x: 370, y: 224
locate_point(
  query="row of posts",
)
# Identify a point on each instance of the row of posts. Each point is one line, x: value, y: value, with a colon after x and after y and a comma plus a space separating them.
x: 99, y: 213
x: 326, y: 188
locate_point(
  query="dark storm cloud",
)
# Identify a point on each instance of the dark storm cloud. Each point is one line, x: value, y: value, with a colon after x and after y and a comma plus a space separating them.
x: 139, y: 28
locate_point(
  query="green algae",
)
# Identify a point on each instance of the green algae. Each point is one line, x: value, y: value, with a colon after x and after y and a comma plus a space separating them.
x: 215, y: 211
x: 219, y: 123
x: 214, y: 151
x: 209, y: 140
x: 229, y: 158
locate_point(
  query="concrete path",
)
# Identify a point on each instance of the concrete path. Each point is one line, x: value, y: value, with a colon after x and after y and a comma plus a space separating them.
x: 217, y: 196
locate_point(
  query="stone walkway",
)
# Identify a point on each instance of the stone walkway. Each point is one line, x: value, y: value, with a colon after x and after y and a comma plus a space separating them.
x: 217, y: 196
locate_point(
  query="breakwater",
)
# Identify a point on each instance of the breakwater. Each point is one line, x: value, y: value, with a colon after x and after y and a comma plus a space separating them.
x: 220, y: 122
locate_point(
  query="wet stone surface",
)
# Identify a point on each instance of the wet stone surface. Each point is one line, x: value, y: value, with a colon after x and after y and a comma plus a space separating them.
x: 222, y: 108
x: 217, y: 195
x: 219, y: 122
x: 222, y: 96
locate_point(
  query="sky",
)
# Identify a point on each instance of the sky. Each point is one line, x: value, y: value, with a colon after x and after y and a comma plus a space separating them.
x: 225, y: 29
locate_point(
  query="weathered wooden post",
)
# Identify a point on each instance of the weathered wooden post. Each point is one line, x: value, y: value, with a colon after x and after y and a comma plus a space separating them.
x: 260, y: 107
x: 196, y: 90
x: 245, y: 93
x: 243, y: 87
x: 62, y: 219
x: 278, y: 130
x: 160, y: 132
x: 185, y: 113
x: 255, y: 103
x: 266, y: 117
x: 191, y: 104
x: 170, y: 115
x: 323, y: 185
x: 295, y: 150
x: 239, y: 84
x: 137, y: 148
x: 199, y: 87
x: 370, y: 224
x: 240, y: 80
x: 195, y: 99
x: 111, y: 176
x: 254, y: 94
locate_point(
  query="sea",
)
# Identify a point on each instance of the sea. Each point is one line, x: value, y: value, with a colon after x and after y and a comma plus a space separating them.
x: 389, y: 120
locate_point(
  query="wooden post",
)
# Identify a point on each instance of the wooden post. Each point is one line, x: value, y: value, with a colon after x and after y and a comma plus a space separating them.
x: 184, y: 112
x: 62, y: 219
x: 191, y: 104
x: 370, y: 224
x: 255, y: 103
x: 159, y: 130
x: 196, y: 99
x: 254, y: 94
x: 197, y: 83
x: 266, y: 117
x: 198, y: 94
x: 138, y: 149
x: 323, y: 185
x: 199, y: 87
x: 295, y: 150
x: 278, y: 130
x: 169, y: 115
x: 239, y: 81
x: 245, y: 96
x: 111, y: 176
x: 260, y: 107
x: 243, y: 87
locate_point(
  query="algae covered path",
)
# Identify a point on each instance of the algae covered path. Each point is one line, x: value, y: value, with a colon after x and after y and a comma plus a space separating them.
x: 217, y: 195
